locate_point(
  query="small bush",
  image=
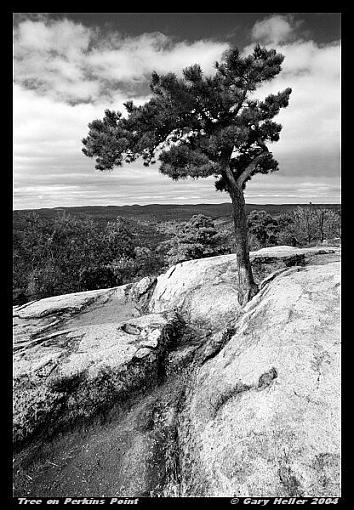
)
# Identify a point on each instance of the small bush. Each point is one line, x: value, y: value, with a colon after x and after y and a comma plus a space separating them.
x: 195, y: 239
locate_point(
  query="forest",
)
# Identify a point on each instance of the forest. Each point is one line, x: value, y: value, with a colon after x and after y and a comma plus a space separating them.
x: 57, y: 252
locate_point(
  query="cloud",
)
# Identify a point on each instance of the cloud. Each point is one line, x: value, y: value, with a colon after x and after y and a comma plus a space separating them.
x: 74, y: 63
x: 310, y: 139
x: 274, y: 29
x: 67, y: 74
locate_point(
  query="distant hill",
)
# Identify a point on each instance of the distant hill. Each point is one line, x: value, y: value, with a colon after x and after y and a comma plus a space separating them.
x: 157, y: 212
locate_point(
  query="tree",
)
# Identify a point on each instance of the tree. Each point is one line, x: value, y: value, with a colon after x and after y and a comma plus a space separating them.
x: 306, y: 218
x: 263, y: 226
x: 309, y: 223
x: 304, y: 224
x: 328, y: 222
x: 333, y: 227
x: 119, y: 240
x: 202, y: 126
x: 196, y: 239
x: 287, y: 232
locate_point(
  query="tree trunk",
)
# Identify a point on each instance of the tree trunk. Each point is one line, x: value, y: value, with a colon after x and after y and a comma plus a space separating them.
x: 247, y: 288
x: 321, y: 224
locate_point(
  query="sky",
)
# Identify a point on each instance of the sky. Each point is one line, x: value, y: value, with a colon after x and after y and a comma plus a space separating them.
x: 70, y: 67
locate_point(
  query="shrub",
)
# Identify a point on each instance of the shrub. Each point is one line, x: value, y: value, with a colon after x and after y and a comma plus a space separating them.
x: 197, y: 238
x: 263, y: 227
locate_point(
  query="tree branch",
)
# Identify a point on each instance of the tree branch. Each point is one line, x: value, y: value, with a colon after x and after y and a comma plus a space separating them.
x: 229, y: 176
x: 249, y: 169
x: 240, y: 103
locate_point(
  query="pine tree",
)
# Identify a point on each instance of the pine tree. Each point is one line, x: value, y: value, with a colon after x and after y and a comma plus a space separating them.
x: 201, y: 126
x: 263, y: 226
x: 196, y: 239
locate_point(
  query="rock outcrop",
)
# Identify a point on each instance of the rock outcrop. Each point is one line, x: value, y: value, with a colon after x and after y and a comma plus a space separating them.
x: 217, y: 401
x: 205, y: 290
x: 70, y: 367
x: 262, y: 417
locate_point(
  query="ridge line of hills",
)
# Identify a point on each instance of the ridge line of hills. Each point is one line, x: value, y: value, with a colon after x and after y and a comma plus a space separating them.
x: 162, y: 212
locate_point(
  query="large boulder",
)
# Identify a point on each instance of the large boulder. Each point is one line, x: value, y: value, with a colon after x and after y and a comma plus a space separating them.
x: 203, y: 290
x: 261, y: 416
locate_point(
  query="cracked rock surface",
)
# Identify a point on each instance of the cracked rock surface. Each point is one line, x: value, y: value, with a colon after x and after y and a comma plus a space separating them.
x: 263, y: 415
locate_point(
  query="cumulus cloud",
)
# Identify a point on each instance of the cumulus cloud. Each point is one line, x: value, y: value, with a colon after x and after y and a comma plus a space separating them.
x: 274, y: 29
x: 65, y: 75
x: 310, y: 138
x: 71, y: 62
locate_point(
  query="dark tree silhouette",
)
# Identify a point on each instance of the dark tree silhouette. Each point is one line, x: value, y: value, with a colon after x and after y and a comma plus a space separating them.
x: 201, y: 126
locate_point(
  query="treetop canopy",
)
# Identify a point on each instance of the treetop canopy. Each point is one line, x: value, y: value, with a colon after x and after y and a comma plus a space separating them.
x: 198, y: 124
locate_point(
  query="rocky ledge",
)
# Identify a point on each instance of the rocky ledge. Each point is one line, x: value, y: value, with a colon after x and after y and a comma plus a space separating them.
x: 217, y: 401
x: 205, y: 290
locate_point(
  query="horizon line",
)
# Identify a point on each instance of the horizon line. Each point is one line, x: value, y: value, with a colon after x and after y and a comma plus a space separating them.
x: 174, y: 205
